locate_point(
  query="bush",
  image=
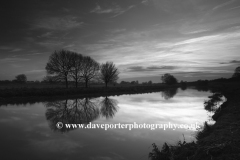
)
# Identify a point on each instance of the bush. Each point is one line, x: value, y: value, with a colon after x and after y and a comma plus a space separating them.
x: 21, y: 78
x: 168, y: 79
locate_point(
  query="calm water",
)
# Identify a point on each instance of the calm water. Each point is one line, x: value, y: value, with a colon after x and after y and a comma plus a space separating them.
x: 29, y: 131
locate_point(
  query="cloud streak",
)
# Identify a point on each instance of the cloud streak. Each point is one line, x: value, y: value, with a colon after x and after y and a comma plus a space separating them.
x: 201, y: 53
x: 115, y: 9
x: 16, y: 50
x: 30, y: 54
x: 58, y: 23
x: 11, y: 60
x: 224, y: 4
x: 35, y: 71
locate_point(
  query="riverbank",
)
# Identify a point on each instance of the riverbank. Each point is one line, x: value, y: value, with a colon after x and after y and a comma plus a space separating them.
x: 32, y: 95
x: 220, y: 141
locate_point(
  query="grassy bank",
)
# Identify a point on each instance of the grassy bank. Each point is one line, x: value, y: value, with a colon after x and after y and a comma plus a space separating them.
x: 220, y: 141
x: 31, y: 95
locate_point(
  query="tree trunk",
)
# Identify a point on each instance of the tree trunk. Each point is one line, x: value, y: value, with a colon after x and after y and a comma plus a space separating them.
x: 76, y: 83
x: 86, y: 84
x: 105, y: 84
x: 66, y: 82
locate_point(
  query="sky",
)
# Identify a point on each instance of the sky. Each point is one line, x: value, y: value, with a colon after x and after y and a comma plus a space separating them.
x: 190, y: 39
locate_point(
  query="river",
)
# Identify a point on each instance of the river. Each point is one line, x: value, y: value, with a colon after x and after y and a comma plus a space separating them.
x: 29, y: 131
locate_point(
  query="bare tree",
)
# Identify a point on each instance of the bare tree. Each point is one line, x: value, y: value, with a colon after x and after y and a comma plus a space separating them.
x: 108, y: 73
x: 89, y: 70
x: 77, y: 67
x: 60, y: 65
x: 22, y: 78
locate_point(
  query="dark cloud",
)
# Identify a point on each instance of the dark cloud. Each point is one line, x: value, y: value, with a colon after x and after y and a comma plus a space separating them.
x: 161, y: 67
x: 151, y: 68
x: 188, y: 73
x: 234, y: 61
x: 231, y: 62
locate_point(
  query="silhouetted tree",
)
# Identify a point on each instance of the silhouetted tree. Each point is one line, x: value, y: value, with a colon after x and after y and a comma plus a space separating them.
x: 108, y: 73
x: 124, y: 82
x: 77, y: 68
x: 108, y: 107
x: 60, y: 65
x: 90, y: 69
x: 21, y: 78
x: 236, y: 72
x: 133, y: 82
x: 49, y: 79
x: 168, y: 79
x: 202, y: 82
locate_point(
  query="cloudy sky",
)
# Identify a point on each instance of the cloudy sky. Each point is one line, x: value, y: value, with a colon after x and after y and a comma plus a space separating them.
x: 191, y: 39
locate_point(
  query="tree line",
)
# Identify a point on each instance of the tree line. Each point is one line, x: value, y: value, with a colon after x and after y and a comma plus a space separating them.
x: 64, y: 65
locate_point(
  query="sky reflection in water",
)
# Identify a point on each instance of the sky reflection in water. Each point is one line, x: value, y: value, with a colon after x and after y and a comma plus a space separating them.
x: 29, y: 131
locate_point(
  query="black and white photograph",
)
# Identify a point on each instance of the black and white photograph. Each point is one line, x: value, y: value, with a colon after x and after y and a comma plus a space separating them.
x: 120, y: 80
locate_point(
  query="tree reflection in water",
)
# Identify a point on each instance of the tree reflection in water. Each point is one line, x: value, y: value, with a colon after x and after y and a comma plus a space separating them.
x: 78, y: 111
x: 108, y: 107
x: 169, y: 93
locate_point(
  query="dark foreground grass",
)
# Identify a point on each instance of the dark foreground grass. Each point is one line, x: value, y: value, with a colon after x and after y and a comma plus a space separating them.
x: 220, y: 141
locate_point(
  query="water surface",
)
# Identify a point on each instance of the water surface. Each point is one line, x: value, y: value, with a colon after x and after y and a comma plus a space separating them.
x: 30, y: 132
